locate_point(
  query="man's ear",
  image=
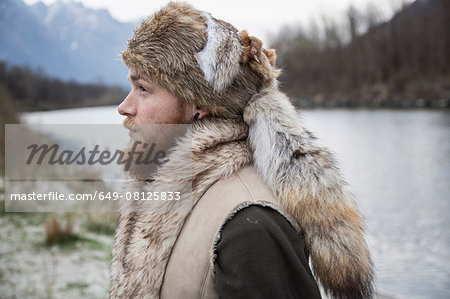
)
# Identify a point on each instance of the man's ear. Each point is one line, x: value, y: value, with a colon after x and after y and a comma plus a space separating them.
x: 199, y: 113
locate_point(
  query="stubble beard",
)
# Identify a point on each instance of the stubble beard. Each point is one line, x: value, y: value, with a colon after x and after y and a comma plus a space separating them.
x: 147, y: 141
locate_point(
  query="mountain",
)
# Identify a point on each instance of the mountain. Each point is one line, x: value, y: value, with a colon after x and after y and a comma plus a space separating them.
x: 65, y: 39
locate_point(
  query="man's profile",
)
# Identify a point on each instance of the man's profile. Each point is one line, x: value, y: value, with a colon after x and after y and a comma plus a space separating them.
x: 258, y: 199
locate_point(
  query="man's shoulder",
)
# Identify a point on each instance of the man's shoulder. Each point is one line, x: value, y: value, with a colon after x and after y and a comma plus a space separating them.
x: 238, y: 191
x: 260, y: 220
x: 243, y: 185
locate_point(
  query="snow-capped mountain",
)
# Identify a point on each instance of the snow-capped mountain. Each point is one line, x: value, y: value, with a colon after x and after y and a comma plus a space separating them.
x: 64, y: 39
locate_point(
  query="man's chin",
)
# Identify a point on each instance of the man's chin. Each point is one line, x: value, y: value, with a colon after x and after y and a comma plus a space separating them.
x: 138, y: 159
x: 148, y: 148
x: 132, y: 133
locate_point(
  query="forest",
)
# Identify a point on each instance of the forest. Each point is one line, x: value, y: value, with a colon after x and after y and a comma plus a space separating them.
x: 364, y: 62
x: 32, y: 90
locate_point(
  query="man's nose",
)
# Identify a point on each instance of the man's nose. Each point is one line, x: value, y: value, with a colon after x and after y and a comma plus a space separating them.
x: 127, y: 107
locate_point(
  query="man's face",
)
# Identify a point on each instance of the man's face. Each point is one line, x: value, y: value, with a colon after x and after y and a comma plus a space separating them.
x: 153, y: 118
x: 148, y: 103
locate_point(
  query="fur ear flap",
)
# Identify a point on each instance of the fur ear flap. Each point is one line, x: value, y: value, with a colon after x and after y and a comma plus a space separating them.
x: 219, y: 59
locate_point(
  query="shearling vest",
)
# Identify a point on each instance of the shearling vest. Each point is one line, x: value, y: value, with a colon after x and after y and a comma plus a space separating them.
x: 161, y: 251
x: 189, y: 272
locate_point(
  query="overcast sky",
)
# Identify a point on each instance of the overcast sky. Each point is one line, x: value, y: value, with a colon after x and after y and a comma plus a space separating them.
x: 260, y: 18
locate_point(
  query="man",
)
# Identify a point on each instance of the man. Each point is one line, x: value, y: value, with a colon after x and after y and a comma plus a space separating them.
x: 258, y: 196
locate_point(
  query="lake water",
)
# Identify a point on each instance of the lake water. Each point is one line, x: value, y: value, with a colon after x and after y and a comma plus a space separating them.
x: 397, y: 164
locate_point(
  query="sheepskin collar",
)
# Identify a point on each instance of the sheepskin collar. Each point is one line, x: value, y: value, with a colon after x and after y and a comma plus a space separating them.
x: 303, y: 176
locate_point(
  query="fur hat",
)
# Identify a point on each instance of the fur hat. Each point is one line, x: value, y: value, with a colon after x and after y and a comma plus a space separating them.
x: 200, y: 59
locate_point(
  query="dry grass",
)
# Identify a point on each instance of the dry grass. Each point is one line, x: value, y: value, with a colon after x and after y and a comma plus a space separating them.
x: 58, y: 232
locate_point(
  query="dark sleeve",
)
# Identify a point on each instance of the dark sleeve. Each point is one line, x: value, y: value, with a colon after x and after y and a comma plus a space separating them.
x: 260, y: 255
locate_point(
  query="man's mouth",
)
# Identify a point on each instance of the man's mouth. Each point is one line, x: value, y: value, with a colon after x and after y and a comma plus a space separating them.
x: 132, y: 129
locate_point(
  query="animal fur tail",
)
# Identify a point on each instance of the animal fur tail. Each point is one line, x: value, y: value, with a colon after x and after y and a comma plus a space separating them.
x: 308, y: 183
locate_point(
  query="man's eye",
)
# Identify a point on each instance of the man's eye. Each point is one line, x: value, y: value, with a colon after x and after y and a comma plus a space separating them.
x: 142, y: 88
